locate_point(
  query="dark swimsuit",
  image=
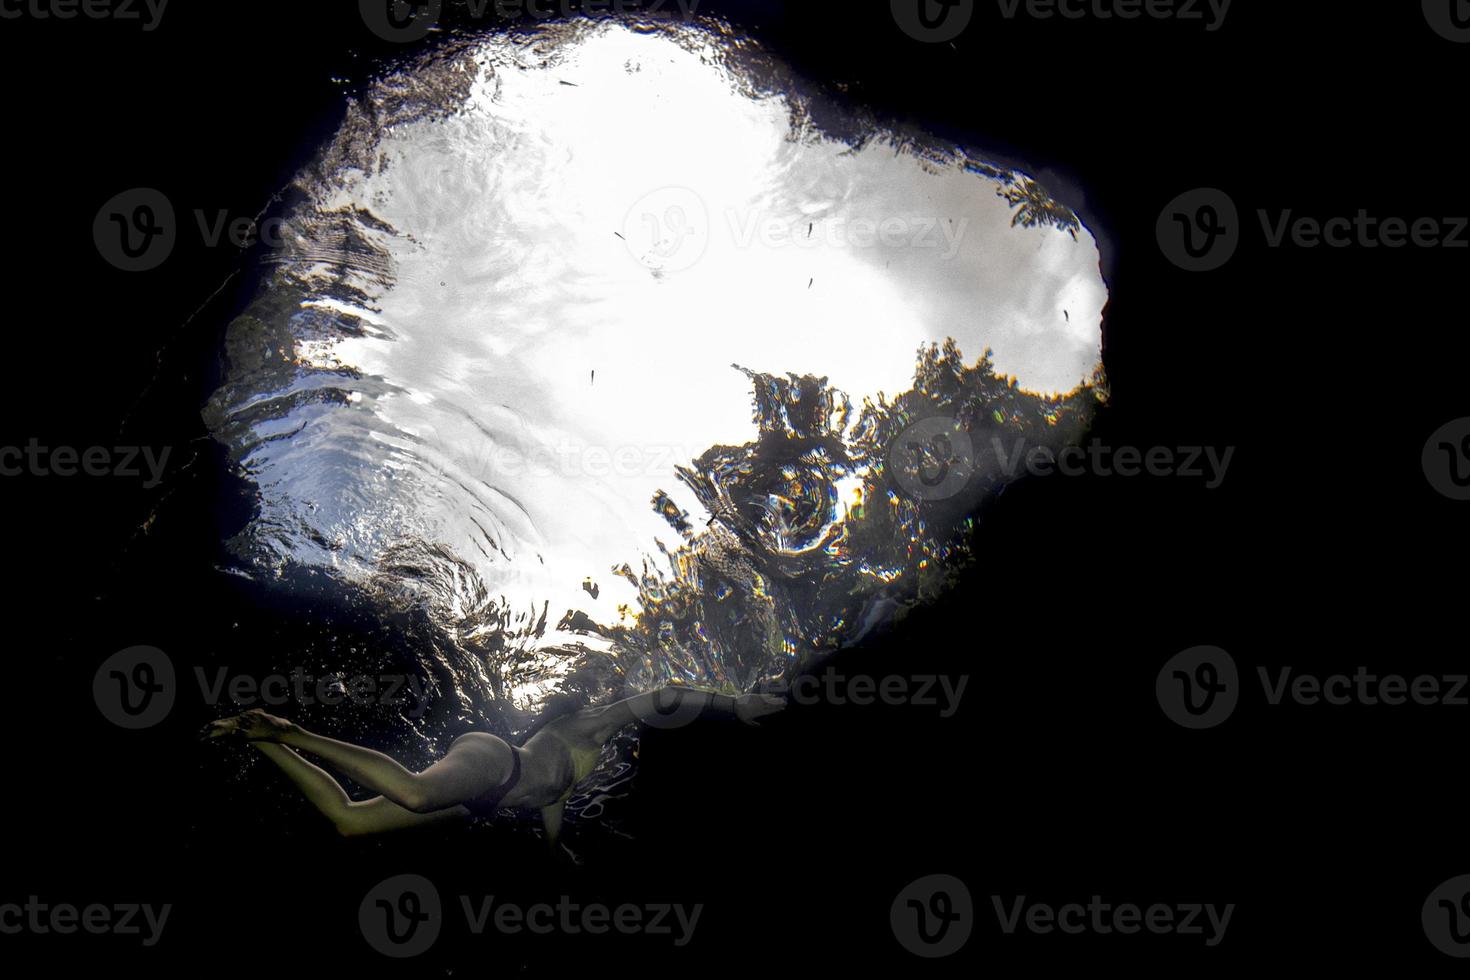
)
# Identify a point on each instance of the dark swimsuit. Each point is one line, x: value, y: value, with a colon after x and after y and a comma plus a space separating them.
x: 486, y: 804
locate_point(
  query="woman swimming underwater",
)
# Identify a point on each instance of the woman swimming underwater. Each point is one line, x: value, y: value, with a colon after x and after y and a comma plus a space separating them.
x: 481, y: 773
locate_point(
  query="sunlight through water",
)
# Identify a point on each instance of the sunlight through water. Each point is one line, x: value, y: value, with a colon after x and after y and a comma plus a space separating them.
x: 594, y: 343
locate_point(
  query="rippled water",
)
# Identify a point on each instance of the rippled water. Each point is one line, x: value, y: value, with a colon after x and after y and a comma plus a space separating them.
x: 577, y: 342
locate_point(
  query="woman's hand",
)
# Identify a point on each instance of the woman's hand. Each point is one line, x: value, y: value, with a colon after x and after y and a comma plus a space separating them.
x: 749, y: 708
x: 253, y: 726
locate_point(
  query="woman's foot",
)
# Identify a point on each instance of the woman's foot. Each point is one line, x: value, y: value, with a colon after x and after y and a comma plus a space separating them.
x: 253, y: 726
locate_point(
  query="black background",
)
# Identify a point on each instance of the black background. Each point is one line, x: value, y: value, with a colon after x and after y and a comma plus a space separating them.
x: 1060, y: 778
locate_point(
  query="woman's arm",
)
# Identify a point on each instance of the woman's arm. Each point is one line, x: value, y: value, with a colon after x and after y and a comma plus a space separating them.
x: 672, y: 707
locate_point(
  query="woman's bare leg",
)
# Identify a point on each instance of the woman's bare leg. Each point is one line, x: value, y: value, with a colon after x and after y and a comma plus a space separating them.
x: 551, y: 820
x: 474, y: 766
x: 351, y: 819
